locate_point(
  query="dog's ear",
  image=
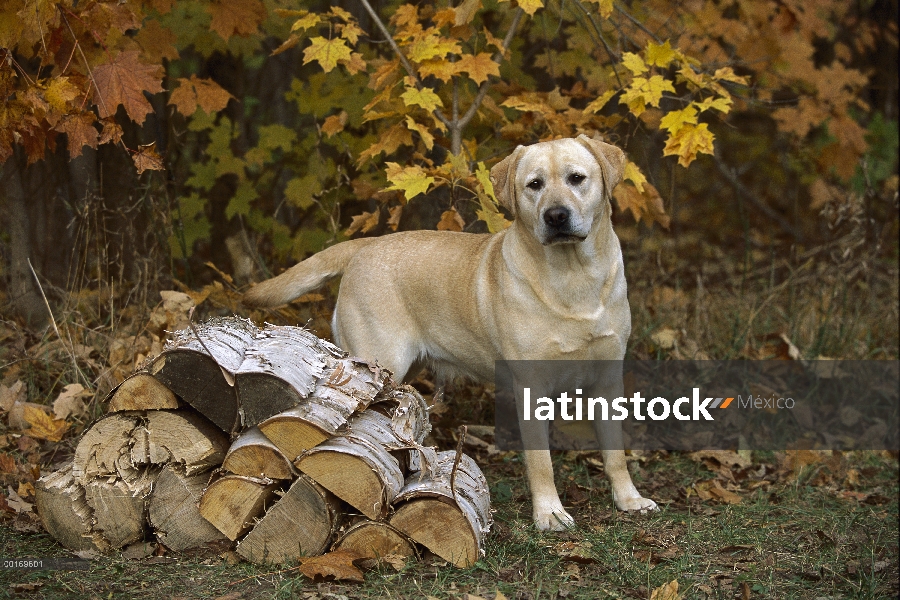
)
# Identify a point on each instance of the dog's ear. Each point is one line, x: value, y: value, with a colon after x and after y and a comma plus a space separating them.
x: 610, y: 158
x: 503, y: 178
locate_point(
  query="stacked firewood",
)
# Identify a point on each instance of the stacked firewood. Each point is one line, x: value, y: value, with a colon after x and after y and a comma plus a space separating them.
x: 271, y: 438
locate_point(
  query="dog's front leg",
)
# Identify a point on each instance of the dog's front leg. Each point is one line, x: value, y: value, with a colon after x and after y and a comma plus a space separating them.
x: 625, y: 495
x: 546, y: 507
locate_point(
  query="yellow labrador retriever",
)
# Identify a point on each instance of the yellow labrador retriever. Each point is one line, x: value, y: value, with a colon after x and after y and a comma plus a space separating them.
x: 551, y: 286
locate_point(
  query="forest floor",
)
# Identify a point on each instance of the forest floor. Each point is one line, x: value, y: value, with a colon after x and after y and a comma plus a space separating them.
x: 799, y: 524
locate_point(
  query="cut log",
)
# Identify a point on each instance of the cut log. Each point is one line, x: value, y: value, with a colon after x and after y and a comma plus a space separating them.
x: 452, y: 525
x: 141, y: 391
x: 185, y: 438
x: 65, y: 513
x: 254, y: 455
x: 375, y: 539
x: 174, y: 513
x: 120, y: 507
x: 279, y: 371
x: 119, y: 444
x: 201, y: 370
x: 357, y: 466
x: 232, y: 502
x: 301, y: 523
x: 349, y: 386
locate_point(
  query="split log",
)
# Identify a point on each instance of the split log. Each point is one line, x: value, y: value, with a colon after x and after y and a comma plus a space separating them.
x: 364, y: 465
x: 231, y: 503
x: 357, y: 466
x: 301, y: 523
x: 174, y: 513
x: 449, y: 522
x: 279, y: 371
x: 120, y: 507
x: 200, y: 370
x: 350, y: 386
x: 375, y: 539
x: 119, y: 444
x: 65, y: 513
x: 254, y: 455
x: 141, y: 391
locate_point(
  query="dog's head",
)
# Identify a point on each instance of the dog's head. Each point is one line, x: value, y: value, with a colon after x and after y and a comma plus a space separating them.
x: 560, y: 189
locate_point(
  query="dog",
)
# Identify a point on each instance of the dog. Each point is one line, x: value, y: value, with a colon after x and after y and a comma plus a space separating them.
x: 551, y: 286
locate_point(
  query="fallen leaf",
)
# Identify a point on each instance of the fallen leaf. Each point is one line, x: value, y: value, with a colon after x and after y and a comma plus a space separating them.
x: 69, y: 403
x: 395, y: 560
x: 665, y: 338
x: 15, y: 502
x: 7, y: 463
x: 337, y: 566
x: 25, y: 587
x: 17, y: 392
x: 43, y: 426
x: 667, y: 591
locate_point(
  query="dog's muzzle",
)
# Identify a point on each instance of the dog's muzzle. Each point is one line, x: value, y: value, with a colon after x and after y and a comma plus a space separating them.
x: 558, y: 226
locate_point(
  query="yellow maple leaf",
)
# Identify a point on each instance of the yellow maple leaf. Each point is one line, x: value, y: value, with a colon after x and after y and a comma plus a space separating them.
x: 634, y: 175
x: 604, y: 6
x: 531, y: 6
x: 721, y: 104
x: 430, y: 44
x: 659, y: 55
x: 634, y: 63
x: 597, y: 104
x: 43, y: 426
x: 489, y: 212
x: 326, y: 52
x: 441, y: 68
x: 410, y: 180
x: 688, y: 141
x: 350, y: 32
x: 676, y: 119
x: 425, y: 97
x: 479, y: 67
x: 728, y: 74
x: 647, y: 205
x: 60, y: 91
x: 423, y: 132
x: 305, y: 22
x: 645, y: 92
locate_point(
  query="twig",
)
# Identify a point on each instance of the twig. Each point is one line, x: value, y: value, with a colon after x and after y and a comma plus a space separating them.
x: 750, y: 197
x: 55, y: 328
x: 86, y: 65
x: 406, y: 64
x: 459, y: 446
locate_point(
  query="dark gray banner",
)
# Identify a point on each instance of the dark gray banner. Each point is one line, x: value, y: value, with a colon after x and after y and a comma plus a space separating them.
x: 695, y: 405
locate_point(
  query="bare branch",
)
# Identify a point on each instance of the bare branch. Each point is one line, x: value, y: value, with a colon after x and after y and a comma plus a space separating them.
x: 403, y: 60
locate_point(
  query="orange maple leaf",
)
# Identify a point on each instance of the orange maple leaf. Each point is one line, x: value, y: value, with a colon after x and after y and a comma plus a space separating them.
x: 478, y: 67
x: 193, y: 92
x: 43, y: 426
x: 80, y: 132
x: 646, y: 205
x: 363, y: 222
x: 337, y: 565
x: 451, y: 221
x: 124, y: 81
x: 157, y: 41
x: 335, y: 123
x: 241, y: 17
x: 146, y: 159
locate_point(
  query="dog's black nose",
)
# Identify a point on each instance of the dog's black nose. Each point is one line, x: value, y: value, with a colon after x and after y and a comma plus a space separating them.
x: 557, y: 217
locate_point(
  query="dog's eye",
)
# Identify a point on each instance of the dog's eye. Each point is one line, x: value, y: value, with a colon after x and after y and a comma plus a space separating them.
x: 535, y: 184
x: 576, y: 178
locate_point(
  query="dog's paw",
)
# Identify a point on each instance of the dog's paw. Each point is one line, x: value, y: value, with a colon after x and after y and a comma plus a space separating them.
x: 553, y: 519
x: 641, y: 504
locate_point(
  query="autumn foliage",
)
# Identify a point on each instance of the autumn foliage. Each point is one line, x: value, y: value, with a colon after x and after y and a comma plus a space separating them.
x: 399, y: 101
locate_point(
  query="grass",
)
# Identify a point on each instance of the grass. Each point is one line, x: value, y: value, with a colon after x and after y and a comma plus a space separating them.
x: 786, y: 539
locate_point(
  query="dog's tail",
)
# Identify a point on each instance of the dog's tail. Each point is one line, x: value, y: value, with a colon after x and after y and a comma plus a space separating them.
x: 305, y: 276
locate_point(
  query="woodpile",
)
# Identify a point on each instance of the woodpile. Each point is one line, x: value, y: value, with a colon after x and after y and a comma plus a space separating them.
x: 273, y: 439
